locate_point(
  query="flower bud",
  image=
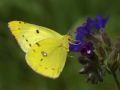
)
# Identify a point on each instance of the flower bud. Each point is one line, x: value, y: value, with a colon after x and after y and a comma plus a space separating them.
x: 83, y: 60
x: 112, y: 63
x: 106, y: 39
x: 117, y: 45
x: 95, y: 77
x: 86, y: 69
x: 102, y: 53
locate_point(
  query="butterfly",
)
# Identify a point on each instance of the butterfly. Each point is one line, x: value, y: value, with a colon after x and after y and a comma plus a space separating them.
x: 46, y: 50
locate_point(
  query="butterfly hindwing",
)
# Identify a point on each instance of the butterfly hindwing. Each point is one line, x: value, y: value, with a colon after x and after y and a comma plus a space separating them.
x: 47, y: 57
x: 28, y: 34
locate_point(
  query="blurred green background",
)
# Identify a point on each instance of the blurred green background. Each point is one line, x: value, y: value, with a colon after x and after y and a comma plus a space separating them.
x: 59, y: 15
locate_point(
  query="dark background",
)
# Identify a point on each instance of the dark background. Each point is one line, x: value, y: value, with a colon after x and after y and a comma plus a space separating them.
x: 59, y: 15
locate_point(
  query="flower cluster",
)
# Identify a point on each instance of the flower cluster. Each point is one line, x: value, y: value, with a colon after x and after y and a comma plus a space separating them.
x: 94, y: 46
x: 86, y: 31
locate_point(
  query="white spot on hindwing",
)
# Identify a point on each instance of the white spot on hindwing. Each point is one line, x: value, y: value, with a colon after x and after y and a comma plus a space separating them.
x: 44, y: 54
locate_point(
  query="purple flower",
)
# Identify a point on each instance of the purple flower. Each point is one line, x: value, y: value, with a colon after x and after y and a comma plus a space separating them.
x: 87, y: 49
x: 85, y: 31
x: 82, y: 32
x: 100, y: 23
x: 75, y: 47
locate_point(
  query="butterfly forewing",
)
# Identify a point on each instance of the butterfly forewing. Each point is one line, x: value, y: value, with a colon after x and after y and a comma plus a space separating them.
x: 28, y: 34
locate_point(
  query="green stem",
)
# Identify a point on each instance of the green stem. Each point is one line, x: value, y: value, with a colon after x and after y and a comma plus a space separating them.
x: 116, y: 79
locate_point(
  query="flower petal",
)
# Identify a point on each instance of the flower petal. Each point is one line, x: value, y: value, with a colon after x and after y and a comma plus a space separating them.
x: 74, y: 47
x: 100, y: 22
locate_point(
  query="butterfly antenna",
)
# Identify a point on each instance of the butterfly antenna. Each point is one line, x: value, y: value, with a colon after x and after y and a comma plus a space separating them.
x: 72, y: 41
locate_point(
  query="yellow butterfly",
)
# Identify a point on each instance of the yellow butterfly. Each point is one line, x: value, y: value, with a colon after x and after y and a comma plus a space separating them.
x: 46, y: 50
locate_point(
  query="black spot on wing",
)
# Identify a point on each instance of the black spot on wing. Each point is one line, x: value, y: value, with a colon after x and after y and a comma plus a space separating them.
x: 30, y: 45
x: 26, y: 40
x: 37, y: 31
x: 53, y: 68
x: 20, y: 22
x: 41, y: 59
x: 38, y: 44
